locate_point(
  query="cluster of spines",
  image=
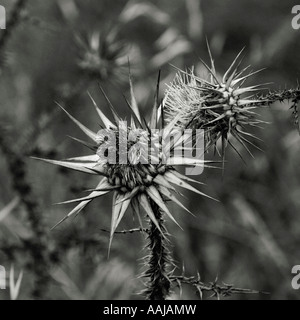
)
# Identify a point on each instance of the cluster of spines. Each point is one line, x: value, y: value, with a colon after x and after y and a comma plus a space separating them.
x: 223, y: 108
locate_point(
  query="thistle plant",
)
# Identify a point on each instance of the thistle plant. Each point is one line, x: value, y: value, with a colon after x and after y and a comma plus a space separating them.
x: 223, y: 108
x: 136, y: 161
x: 136, y: 178
x: 101, y: 55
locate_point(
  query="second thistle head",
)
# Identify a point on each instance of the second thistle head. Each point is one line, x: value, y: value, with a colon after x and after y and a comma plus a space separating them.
x: 222, y: 107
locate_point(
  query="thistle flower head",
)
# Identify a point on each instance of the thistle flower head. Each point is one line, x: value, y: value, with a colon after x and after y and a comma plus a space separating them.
x: 134, y: 176
x: 222, y: 107
x: 101, y: 54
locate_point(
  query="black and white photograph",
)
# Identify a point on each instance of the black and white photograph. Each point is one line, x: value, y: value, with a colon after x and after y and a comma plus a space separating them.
x: 149, y: 151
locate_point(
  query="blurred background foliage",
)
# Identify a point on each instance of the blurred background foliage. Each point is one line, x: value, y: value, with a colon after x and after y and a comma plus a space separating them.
x: 58, y: 51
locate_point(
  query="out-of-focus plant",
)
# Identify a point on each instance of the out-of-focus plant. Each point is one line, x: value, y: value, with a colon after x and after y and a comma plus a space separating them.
x: 171, y: 43
x: 11, y: 24
x: 14, y: 287
x: 36, y: 245
x: 9, y: 208
x: 102, y: 55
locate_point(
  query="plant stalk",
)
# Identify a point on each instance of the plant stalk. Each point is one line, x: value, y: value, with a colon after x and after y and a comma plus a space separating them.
x: 37, y: 245
x: 159, y: 261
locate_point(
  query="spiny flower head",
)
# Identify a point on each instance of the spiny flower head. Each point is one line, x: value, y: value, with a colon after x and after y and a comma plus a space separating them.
x: 101, y: 54
x: 137, y: 181
x: 222, y: 107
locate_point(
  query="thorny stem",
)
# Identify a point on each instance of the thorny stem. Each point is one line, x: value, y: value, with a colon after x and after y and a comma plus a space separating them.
x: 285, y: 95
x: 281, y: 95
x: 214, y: 288
x: 128, y: 231
x: 37, y: 244
x: 158, y: 263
